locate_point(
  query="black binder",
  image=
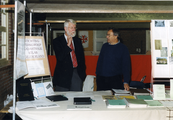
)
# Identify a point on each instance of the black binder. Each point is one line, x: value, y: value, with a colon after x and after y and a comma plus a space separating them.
x: 82, y: 101
x: 24, y: 90
x: 57, y: 98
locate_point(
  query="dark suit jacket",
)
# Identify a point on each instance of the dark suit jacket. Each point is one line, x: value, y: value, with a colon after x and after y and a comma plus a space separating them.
x: 64, y: 66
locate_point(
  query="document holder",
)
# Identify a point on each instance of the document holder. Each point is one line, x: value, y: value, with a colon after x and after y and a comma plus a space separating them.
x: 82, y: 101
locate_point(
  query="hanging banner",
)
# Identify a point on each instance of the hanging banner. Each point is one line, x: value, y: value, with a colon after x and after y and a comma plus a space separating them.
x: 83, y: 35
x: 36, y: 57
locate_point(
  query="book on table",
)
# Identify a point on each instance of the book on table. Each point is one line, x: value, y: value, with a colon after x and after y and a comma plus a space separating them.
x: 108, y: 97
x: 154, y: 103
x: 136, y: 103
x: 120, y: 92
x: 144, y: 97
x: 57, y: 98
x: 116, y: 103
x: 139, y: 92
x: 82, y: 101
x: 125, y: 96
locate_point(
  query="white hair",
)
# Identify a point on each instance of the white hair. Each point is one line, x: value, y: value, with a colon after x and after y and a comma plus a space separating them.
x: 68, y: 21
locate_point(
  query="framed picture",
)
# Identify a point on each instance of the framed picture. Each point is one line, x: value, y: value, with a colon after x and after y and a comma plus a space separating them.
x: 57, y: 33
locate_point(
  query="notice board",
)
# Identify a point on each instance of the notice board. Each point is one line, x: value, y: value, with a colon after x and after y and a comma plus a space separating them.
x: 162, y: 48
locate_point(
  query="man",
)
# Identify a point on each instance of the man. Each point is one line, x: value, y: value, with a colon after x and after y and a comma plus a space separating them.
x: 69, y: 73
x: 113, y: 62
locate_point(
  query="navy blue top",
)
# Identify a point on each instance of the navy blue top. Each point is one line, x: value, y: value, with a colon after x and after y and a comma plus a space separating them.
x: 114, y: 60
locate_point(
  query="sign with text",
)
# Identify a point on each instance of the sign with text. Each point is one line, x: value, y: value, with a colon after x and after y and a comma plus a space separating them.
x: 36, y: 57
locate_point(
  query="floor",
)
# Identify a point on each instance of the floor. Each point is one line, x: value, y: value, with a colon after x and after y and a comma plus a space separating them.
x: 10, y: 117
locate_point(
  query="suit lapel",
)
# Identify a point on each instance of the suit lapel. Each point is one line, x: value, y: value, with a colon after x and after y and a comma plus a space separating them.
x: 63, y: 41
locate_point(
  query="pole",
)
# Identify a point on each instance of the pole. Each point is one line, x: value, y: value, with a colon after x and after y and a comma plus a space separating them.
x: 14, y: 70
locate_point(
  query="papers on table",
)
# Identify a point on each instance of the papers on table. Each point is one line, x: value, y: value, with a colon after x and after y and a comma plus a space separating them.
x: 38, y: 104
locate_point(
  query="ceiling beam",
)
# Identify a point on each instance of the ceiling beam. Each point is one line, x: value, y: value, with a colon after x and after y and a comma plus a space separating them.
x: 99, y: 8
x: 96, y: 21
x: 7, y: 6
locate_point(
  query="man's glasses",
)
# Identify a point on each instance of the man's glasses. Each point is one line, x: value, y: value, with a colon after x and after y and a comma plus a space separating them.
x: 109, y: 35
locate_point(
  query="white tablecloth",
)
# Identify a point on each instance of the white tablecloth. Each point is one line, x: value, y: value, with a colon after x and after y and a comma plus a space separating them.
x: 99, y: 110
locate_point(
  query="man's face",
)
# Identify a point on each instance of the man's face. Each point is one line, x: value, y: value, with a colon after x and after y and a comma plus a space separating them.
x: 111, y: 38
x: 71, y: 29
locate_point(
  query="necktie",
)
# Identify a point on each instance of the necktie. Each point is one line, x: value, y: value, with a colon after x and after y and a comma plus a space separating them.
x: 74, y: 60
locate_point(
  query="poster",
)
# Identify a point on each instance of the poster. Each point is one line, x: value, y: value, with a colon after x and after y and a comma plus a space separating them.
x: 162, y: 48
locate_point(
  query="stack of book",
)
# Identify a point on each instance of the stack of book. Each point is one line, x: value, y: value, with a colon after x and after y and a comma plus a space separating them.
x: 121, y: 92
x: 136, y: 103
x: 116, y: 103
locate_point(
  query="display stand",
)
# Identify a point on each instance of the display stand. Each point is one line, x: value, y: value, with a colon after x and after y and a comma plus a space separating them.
x: 27, y: 66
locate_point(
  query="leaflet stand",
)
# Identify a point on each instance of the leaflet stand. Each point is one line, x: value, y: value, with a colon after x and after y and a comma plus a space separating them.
x: 42, y: 86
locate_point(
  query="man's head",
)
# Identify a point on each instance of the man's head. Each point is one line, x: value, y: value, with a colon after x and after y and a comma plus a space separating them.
x: 70, y: 27
x: 112, y: 36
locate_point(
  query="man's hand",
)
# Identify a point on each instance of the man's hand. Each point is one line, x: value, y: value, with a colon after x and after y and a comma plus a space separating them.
x: 69, y: 40
x: 126, y: 86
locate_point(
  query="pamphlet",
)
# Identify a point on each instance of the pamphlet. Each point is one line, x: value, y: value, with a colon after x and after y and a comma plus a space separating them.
x: 159, y: 92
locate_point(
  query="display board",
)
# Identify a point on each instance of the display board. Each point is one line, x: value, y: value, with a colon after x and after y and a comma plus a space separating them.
x: 162, y: 48
x: 36, y: 57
